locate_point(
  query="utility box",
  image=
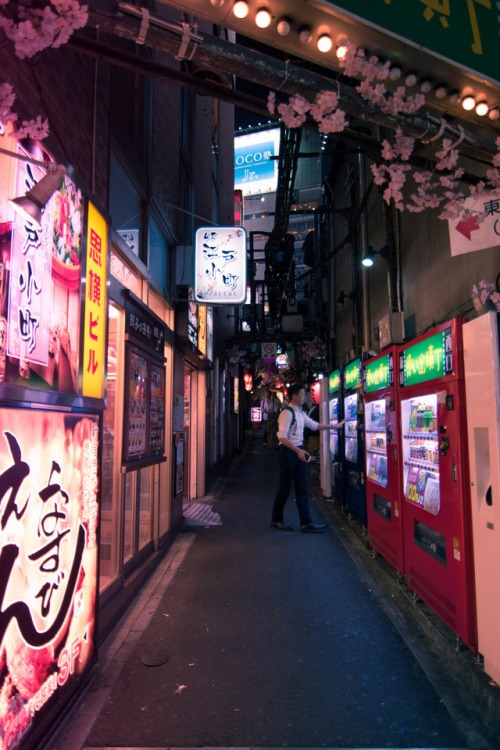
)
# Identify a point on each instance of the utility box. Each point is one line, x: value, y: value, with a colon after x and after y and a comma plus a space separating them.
x: 391, y: 329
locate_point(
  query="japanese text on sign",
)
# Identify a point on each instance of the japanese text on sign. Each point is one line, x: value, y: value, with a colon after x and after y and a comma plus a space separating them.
x: 95, y: 305
x: 48, y: 559
x: 220, y: 265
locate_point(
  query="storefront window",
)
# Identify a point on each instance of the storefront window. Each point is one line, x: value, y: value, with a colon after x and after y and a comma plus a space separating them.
x: 111, y: 452
x: 129, y: 525
x: 145, y: 506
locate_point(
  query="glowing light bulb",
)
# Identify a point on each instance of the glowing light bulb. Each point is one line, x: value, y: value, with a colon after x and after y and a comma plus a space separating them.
x: 263, y: 18
x: 494, y: 113
x: 341, y: 51
x: 411, y: 79
x: 395, y: 73
x: 481, y: 109
x: 325, y: 43
x: 468, y: 103
x: 425, y: 85
x: 240, y: 9
x: 440, y: 91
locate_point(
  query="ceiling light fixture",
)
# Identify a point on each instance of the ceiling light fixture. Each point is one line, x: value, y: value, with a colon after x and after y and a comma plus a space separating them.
x: 468, y: 103
x: 325, y: 43
x: 440, y: 91
x: 411, y: 79
x: 240, y: 9
x: 217, y: 3
x: 395, y: 72
x: 283, y: 27
x: 494, y: 113
x: 341, y: 50
x: 305, y: 35
x: 454, y: 96
x: 425, y: 85
x: 263, y: 18
x: 481, y: 108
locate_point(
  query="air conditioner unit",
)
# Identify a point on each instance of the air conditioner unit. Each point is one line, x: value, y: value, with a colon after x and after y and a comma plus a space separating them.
x: 391, y: 329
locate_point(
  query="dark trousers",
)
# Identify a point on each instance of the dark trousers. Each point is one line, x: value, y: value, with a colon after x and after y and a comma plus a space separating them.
x: 292, y: 469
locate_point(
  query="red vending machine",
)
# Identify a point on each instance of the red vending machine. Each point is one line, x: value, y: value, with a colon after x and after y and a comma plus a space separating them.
x: 438, y: 555
x: 383, y: 478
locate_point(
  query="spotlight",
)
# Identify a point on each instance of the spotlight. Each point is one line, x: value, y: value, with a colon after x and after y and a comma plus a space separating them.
x: 240, y: 9
x: 283, y: 27
x: 494, y: 113
x: 411, y: 79
x: 325, y: 43
x: 31, y: 205
x: 468, y: 103
x: 440, y: 91
x: 263, y: 18
x: 217, y: 3
x: 481, y: 109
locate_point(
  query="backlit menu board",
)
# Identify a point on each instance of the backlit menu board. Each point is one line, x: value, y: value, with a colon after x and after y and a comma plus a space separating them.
x: 157, y: 412
x: 48, y: 570
x: 428, y: 359
x: 137, y: 405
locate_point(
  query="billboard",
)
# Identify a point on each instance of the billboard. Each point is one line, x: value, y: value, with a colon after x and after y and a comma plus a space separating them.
x: 48, y: 561
x: 255, y: 169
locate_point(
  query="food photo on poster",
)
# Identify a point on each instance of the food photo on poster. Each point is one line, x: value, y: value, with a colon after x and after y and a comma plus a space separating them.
x: 48, y: 561
x: 40, y: 270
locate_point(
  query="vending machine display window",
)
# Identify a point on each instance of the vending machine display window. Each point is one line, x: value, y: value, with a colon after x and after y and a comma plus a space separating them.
x: 376, y: 442
x: 421, y: 452
x: 351, y: 427
x: 333, y: 416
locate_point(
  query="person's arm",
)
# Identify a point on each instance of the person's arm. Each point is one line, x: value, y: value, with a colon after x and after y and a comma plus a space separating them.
x: 321, y: 425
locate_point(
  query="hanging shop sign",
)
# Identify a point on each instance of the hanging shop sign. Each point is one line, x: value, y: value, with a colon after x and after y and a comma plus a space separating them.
x: 379, y: 373
x: 465, y: 31
x: 48, y: 570
x: 428, y: 359
x: 255, y: 168
x: 95, y: 316
x: 352, y: 374
x: 220, y: 265
x: 202, y: 329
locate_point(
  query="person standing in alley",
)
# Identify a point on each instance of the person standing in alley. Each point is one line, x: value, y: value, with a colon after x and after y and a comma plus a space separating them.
x: 268, y: 405
x: 292, y: 460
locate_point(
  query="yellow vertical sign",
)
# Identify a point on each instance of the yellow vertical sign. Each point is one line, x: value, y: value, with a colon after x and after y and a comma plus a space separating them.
x: 95, y: 305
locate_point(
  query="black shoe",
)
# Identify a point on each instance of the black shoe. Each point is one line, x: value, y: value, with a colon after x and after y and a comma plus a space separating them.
x: 282, y: 526
x: 313, y: 527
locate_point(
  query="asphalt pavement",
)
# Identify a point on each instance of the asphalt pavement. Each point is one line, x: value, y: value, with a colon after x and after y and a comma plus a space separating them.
x: 251, y: 637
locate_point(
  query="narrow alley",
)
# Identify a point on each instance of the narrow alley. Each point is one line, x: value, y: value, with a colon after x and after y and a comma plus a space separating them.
x: 247, y: 636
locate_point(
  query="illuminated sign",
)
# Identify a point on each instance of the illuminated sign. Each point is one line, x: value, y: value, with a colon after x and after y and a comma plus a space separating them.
x: 40, y: 276
x: 379, y: 373
x: 255, y: 414
x: 95, y: 305
x: 236, y: 394
x: 315, y: 391
x: 429, y: 359
x: 49, y: 473
x: 210, y: 334
x: 255, y: 172
x: 334, y: 381
x: 352, y: 374
x: 220, y: 265
x: 202, y: 329
x: 464, y: 32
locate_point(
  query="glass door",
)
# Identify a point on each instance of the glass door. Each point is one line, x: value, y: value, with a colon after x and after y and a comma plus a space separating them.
x: 376, y: 442
x: 421, y: 452
x: 351, y: 427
